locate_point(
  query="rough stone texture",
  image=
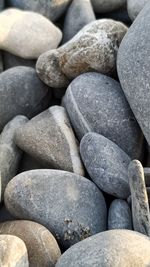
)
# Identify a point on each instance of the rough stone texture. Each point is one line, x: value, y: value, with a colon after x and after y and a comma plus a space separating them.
x: 106, y: 164
x: 70, y: 206
x: 43, y: 250
x: 96, y: 103
x: 134, y: 7
x: 93, y: 48
x: 103, y: 6
x: 10, y: 61
x: 13, y: 252
x: 119, y: 215
x: 21, y: 92
x: 51, y: 9
x: 78, y: 15
x: 140, y: 207
x: 49, y: 138
x: 10, y: 154
x: 27, y: 34
x: 133, y: 69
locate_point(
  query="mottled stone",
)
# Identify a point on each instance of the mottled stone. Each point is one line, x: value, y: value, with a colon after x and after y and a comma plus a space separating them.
x: 93, y: 48
x: 103, y: 6
x: 27, y: 34
x: 43, y: 250
x: 96, y: 103
x: 21, y: 92
x: 69, y: 205
x: 114, y: 248
x: 10, y: 61
x: 134, y: 7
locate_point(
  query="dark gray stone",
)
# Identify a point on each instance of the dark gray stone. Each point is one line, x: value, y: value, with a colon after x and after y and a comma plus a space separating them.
x: 103, y: 6
x: 134, y: 7
x: 106, y: 164
x: 10, y: 61
x: 69, y: 205
x: 96, y: 103
x: 21, y: 92
x: 29, y: 163
x: 5, y: 215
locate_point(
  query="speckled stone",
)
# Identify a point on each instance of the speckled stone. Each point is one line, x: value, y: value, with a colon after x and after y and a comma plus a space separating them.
x: 70, y: 206
x: 10, y: 61
x: 114, y: 248
x: 106, y: 164
x: 133, y: 69
x: 96, y: 103
x: 43, y: 250
x: 134, y: 7
x: 103, y: 6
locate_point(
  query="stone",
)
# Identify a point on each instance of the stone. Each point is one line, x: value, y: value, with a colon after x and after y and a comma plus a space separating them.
x: 29, y: 163
x: 70, y: 206
x: 78, y: 15
x: 42, y: 247
x: 112, y: 248
x: 133, y: 69
x: 120, y: 15
x: 96, y: 103
x: 93, y: 48
x: 139, y: 198
x: 52, y: 9
x: 147, y: 176
x: 5, y: 215
x: 54, y: 143
x: 134, y: 7
x: 10, y: 154
x: 106, y: 164
x: 103, y: 6
x: 10, y: 61
x: 119, y: 215
x: 27, y: 34
x: 13, y: 252
x: 21, y: 92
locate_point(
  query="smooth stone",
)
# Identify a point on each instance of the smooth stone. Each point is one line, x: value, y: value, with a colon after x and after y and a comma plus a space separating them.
x: 27, y: 34
x: 139, y: 198
x: 54, y: 143
x: 93, y: 48
x: 13, y: 252
x: 78, y: 15
x: 21, y: 92
x: 103, y: 6
x: 5, y: 215
x: 10, y: 61
x: 114, y: 248
x: 106, y: 164
x: 96, y: 103
x: 43, y: 250
x: 29, y: 163
x: 51, y: 9
x: 134, y: 7
x: 133, y: 69
x: 119, y: 215
x: 69, y: 205
x: 10, y: 154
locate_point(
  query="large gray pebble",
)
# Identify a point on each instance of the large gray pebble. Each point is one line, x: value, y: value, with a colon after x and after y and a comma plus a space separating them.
x: 106, y: 164
x: 134, y: 7
x: 10, y: 61
x: 21, y: 92
x: 96, y: 103
x: 70, y: 206
x: 103, y: 6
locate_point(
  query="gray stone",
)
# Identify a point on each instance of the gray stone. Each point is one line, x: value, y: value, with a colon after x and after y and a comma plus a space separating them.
x: 133, y: 69
x: 103, y: 6
x: 119, y: 215
x: 43, y: 250
x: 21, y: 92
x: 96, y: 103
x: 10, y: 154
x: 114, y: 248
x: 139, y: 199
x: 106, y: 164
x: 10, y: 61
x: 48, y: 137
x: 93, y: 48
x: 134, y: 7
x: 69, y: 205
x: 78, y: 15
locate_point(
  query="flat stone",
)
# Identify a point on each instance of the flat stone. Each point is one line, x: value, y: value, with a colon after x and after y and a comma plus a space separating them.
x: 13, y: 252
x: 21, y: 92
x: 69, y: 205
x: 134, y: 7
x: 10, y: 61
x: 133, y: 69
x: 54, y: 143
x: 112, y: 248
x: 27, y: 34
x: 119, y: 215
x: 103, y: 6
x: 42, y: 247
x: 106, y: 164
x: 96, y: 103
x: 93, y: 48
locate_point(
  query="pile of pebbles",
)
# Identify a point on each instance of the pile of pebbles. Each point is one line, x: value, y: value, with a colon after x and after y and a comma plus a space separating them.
x: 74, y: 133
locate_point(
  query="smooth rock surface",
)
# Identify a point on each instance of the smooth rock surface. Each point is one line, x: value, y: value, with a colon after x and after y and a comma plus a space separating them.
x: 96, y: 103
x: 43, y: 250
x: 21, y: 92
x: 134, y: 7
x: 106, y: 164
x: 70, y: 206
x: 113, y: 248
x: 10, y: 61
x: 103, y: 6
